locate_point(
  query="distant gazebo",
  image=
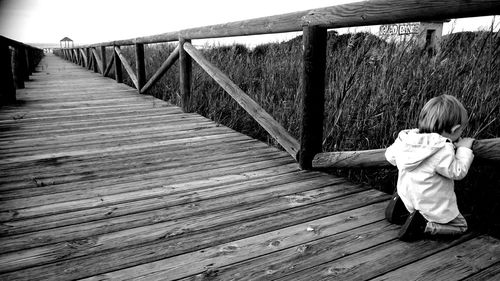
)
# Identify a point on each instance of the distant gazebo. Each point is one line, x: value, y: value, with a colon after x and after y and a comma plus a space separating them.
x: 64, y: 43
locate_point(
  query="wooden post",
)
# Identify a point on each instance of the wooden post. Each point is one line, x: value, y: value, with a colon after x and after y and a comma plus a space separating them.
x: 103, y: 58
x: 89, y: 58
x: 24, y: 60
x: 118, y: 67
x: 19, y: 65
x: 77, y: 56
x: 7, y: 88
x: 29, y: 62
x: 94, y: 60
x: 85, y: 60
x: 185, y: 73
x: 313, y: 94
x: 23, y: 63
x: 80, y: 58
x: 140, y: 66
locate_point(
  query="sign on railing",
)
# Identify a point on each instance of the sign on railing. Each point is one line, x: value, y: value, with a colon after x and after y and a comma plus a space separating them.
x: 400, y: 29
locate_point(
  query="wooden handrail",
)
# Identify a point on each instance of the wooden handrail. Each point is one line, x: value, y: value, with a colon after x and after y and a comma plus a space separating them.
x: 15, y: 67
x: 488, y: 149
x: 314, y: 24
x: 346, y: 15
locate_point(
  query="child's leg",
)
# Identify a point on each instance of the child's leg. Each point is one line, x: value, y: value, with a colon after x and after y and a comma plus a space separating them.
x: 454, y: 227
x: 396, y: 212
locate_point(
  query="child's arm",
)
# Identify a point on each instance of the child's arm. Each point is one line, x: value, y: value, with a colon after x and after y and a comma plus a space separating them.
x: 390, y: 154
x: 465, y: 142
x: 456, y: 165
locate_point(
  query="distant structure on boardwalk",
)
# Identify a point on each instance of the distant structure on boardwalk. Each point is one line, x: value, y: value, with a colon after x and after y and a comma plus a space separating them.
x: 64, y: 43
x: 428, y: 34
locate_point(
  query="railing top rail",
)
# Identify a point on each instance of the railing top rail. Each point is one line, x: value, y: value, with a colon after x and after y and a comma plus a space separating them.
x: 347, y: 15
x: 15, y: 43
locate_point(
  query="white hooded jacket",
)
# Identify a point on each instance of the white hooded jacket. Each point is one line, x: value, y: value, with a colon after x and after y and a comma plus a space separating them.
x: 427, y: 165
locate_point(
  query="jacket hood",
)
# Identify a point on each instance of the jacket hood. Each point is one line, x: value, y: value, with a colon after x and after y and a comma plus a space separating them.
x: 414, y: 147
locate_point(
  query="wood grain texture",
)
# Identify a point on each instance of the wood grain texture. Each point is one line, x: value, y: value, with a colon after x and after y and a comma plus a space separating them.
x: 488, y: 149
x: 360, y: 13
x: 393, y: 11
x: 491, y: 273
x: 466, y: 259
x: 313, y: 94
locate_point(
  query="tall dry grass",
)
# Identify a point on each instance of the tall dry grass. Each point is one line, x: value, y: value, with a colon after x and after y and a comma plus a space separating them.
x: 374, y: 89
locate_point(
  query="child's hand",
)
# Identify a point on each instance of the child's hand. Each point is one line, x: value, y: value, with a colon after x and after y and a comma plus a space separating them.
x: 465, y: 142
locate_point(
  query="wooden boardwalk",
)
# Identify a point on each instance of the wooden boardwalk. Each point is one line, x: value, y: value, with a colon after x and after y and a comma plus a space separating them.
x: 98, y: 182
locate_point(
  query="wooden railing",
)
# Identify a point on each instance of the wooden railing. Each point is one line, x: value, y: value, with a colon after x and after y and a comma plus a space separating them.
x: 17, y: 63
x: 314, y: 24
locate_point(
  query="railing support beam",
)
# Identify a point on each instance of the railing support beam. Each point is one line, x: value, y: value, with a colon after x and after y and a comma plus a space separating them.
x: 118, y: 67
x: 313, y: 94
x: 162, y: 70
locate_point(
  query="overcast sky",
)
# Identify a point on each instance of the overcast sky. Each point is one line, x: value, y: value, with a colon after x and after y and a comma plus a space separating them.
x: 92, y: 21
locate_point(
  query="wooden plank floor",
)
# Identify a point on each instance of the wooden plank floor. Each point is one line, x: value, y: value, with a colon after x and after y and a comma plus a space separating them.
x: 98, y: 182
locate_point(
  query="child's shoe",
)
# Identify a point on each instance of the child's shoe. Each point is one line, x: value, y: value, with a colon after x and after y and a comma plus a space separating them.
x: 413, y: 228
x: 396, y: 212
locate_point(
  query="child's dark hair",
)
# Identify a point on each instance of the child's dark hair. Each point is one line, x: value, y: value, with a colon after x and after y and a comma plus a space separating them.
x: 440, y: 114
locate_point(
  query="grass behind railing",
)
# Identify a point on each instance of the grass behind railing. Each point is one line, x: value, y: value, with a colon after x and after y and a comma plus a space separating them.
x: 374, y: 89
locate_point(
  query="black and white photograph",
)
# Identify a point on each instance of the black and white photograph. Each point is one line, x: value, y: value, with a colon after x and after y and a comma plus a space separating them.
x: 287, y: 140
